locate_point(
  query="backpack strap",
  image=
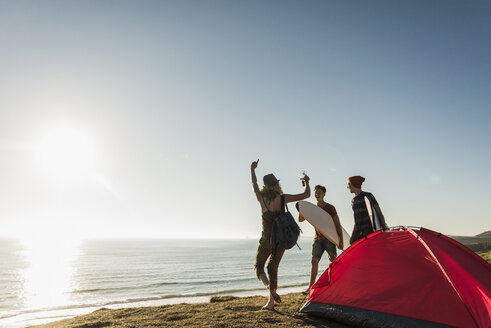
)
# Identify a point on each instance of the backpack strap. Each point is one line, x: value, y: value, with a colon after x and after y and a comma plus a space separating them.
x: 283, y: 204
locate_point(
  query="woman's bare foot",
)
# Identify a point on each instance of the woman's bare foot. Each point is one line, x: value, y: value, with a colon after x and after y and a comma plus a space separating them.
x: 275, y: 296
x: 268, y: 306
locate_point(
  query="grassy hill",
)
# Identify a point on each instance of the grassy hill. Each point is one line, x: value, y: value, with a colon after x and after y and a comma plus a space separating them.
x: 482, y: 249
x: 477, y: 239
x: 486, y: 234
x: 480, y: 244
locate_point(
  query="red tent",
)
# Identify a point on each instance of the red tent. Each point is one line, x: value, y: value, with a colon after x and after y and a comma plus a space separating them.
x: 405, y: 278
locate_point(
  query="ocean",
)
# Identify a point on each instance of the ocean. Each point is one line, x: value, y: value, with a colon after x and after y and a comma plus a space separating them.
x: 49, y: 280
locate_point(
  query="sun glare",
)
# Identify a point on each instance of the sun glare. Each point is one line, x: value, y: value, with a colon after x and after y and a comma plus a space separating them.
x: 66, y: 152
x: 48, y: 277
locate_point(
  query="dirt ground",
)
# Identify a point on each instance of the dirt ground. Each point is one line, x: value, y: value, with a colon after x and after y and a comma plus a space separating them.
x: 226, y: 311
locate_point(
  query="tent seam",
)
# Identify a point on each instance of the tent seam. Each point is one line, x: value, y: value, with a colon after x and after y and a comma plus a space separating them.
x: 425, y: 245
x: 463, y: 247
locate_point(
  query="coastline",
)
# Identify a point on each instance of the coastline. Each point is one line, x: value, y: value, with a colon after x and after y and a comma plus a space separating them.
x: 241, y: 309
x: 220, y: 311
x: 142, y: 273
x: 50, y: 316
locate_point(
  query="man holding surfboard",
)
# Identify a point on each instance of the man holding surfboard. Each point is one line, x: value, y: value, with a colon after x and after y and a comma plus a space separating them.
x: 321, y: 243
x: 367, y: 212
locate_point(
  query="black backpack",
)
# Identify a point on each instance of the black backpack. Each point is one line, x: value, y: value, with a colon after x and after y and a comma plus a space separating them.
x: 285, y: 231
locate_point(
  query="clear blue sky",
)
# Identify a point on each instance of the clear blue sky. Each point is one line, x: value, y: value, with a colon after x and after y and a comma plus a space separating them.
x: 178, y: 97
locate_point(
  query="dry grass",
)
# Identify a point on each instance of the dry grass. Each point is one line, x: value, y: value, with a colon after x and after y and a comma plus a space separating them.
x: 486, y: 255
x: 233, y: 312
x: 482, y: 249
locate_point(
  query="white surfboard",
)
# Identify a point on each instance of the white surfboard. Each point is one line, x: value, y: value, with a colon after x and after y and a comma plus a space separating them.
x: 321, y: 220
x: 373, y: 215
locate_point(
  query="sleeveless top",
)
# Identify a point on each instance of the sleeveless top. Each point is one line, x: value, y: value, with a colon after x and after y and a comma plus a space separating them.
x: 268, y: 218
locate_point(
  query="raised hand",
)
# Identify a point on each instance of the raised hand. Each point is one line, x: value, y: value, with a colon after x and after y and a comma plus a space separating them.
x: 254, y: 164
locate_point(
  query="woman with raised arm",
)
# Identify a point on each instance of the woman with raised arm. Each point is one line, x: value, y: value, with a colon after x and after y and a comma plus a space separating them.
x: 270, y: 198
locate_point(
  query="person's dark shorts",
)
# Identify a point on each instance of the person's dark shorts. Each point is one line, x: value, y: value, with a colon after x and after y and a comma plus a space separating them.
x: 321, y: 245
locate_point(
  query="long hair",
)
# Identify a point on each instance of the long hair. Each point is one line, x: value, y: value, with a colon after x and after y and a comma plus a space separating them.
x: 271, y: 192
